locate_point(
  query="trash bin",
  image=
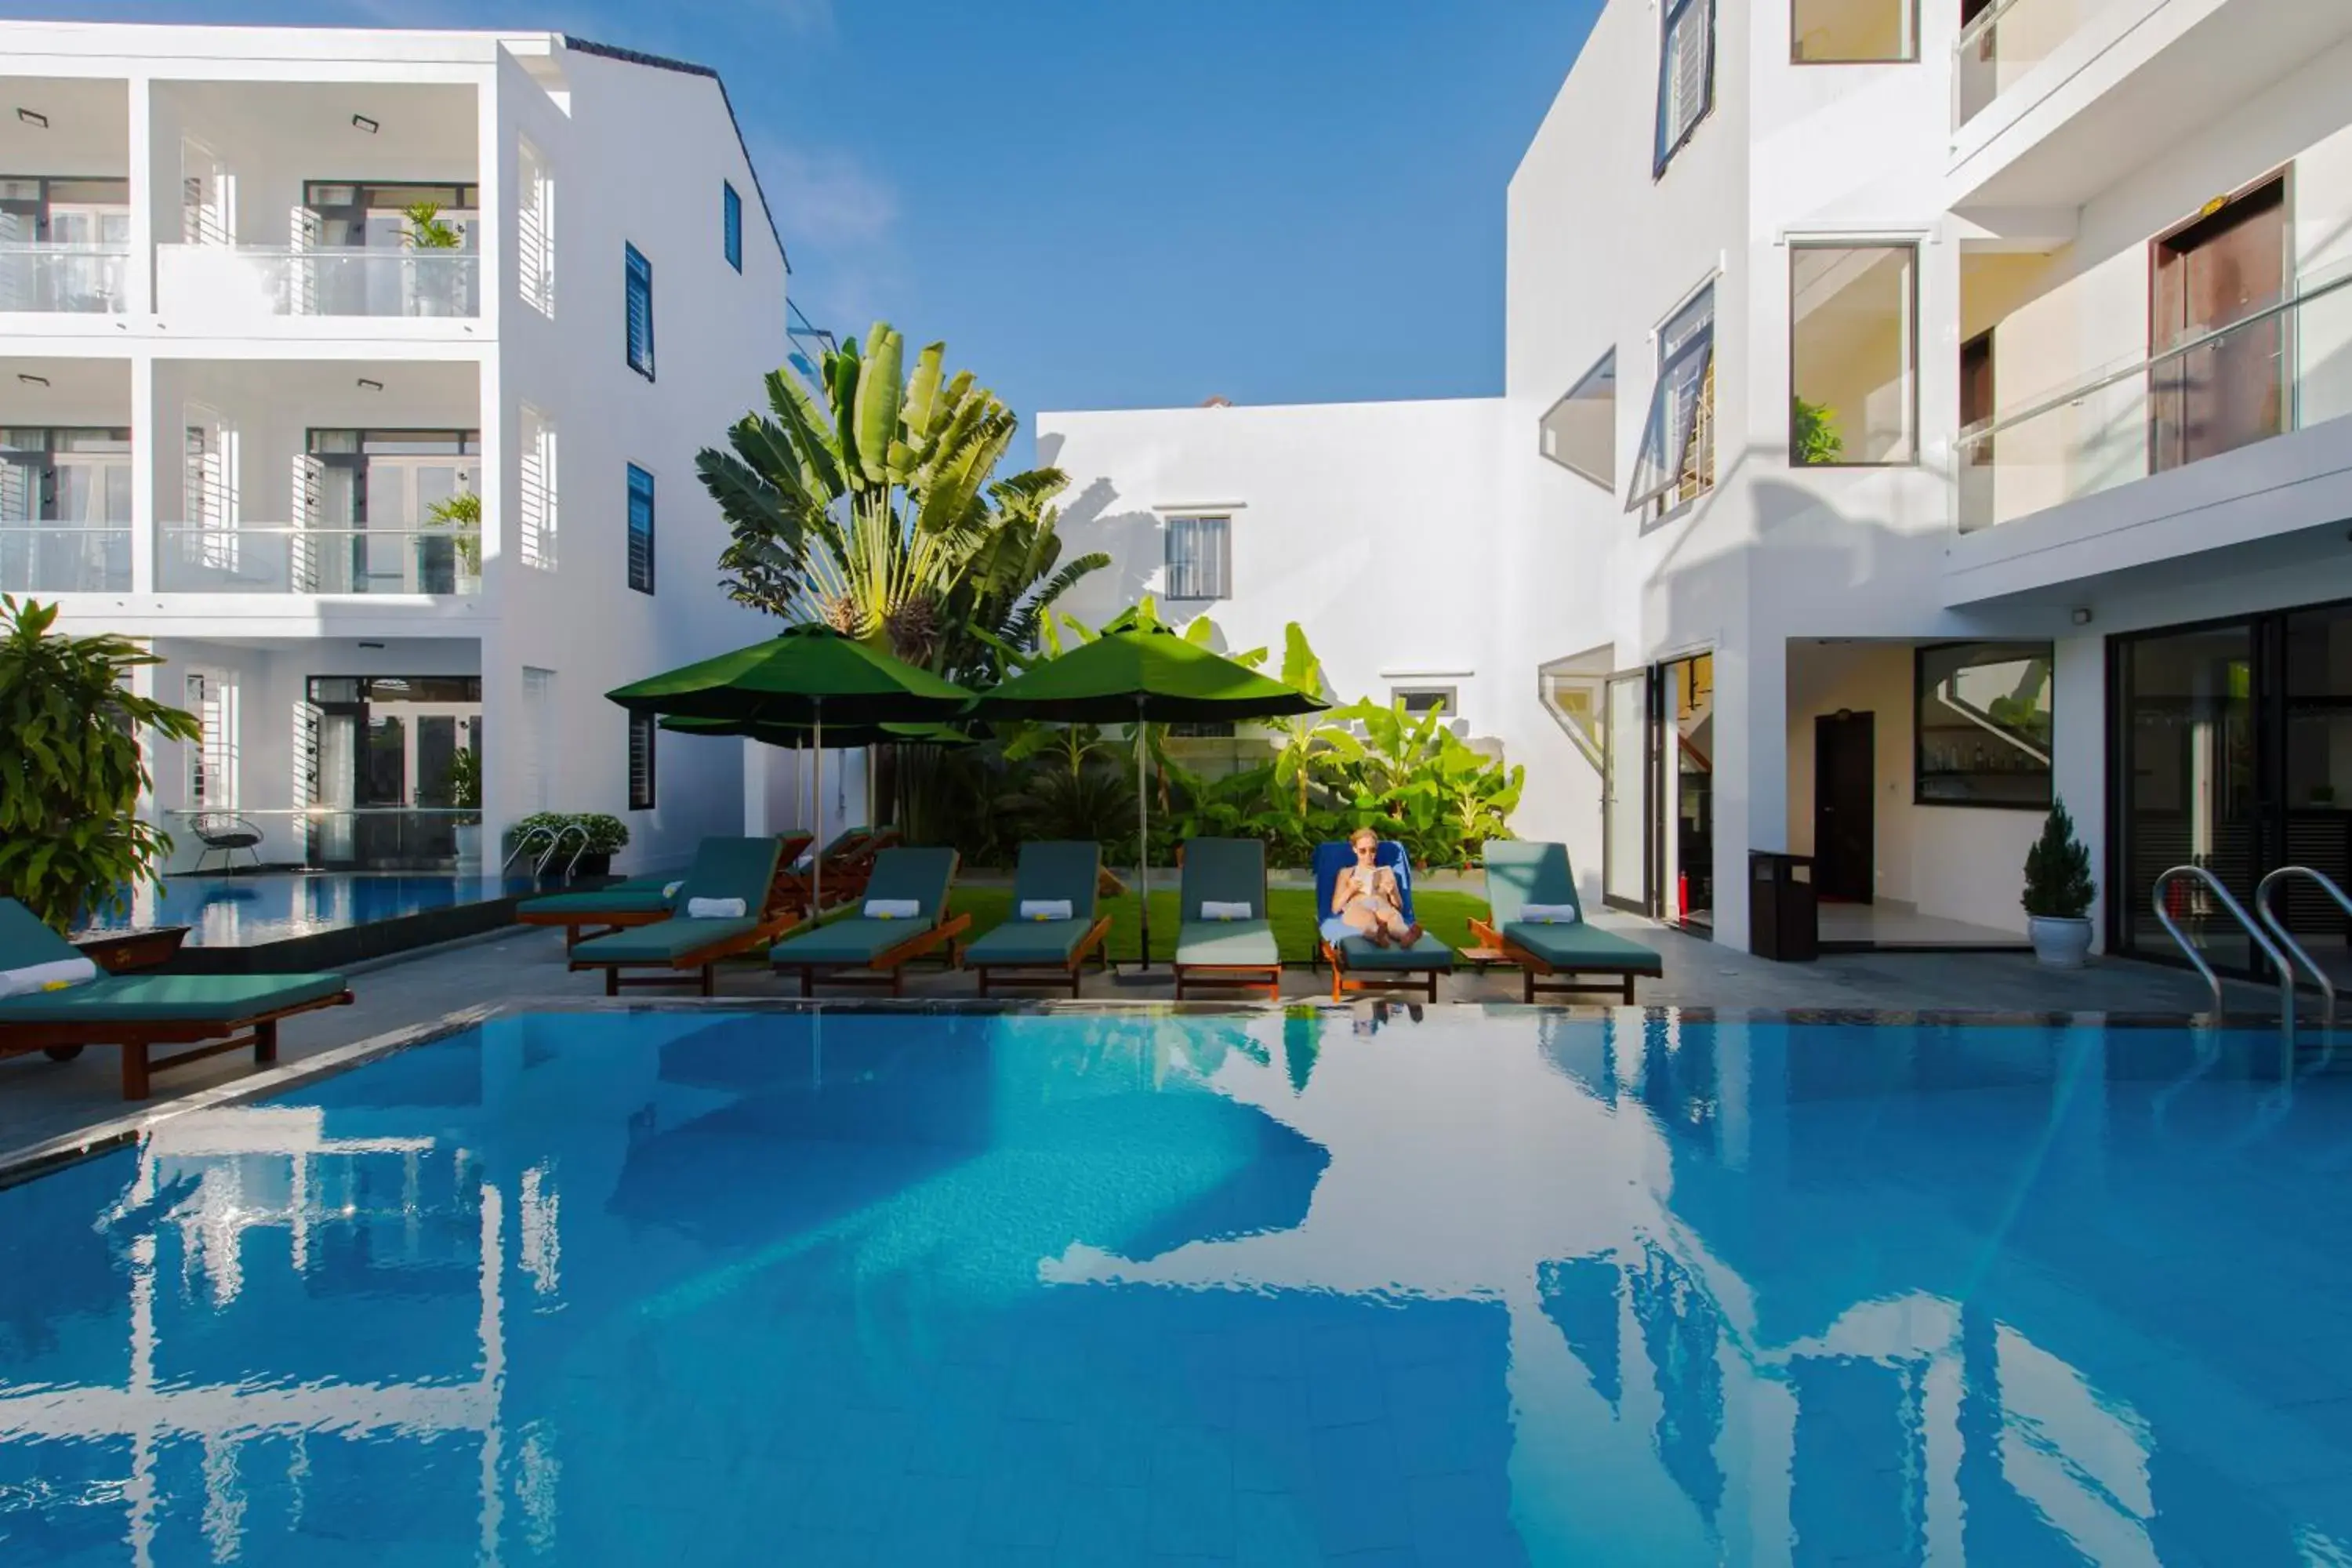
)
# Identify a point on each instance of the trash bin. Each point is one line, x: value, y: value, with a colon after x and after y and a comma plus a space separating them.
x: 1783, y: 915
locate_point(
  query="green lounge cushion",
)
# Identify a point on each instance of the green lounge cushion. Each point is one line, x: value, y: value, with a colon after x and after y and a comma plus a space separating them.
x: 25, y: 940
x: 621, y: 899
x: 853, y: 940
x: 1222, y: 871
x: 1426, y: 953
x: 661, y: 943
x: 1060, y: 868
x: 1584, y: 947
x: 1019, y: 941
x: 1520, y: 873
x: 921, y: 875
x: 1226, y: 944
x: 732, y: 869
x: 169, y: 999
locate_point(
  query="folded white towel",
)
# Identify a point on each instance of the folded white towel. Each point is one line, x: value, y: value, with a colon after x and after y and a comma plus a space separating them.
x: 669, y: 890
x: 893, y: 909
x: 1550, y: 914
x: 1210, y: 910
x: 54, y: 974
x: 715, y: 909
x: 1046, y: 910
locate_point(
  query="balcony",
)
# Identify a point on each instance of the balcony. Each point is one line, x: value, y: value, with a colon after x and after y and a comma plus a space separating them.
x: 281, y: 559
x: 38, y: 558
x: 63, y: 277
x: 248, y: 283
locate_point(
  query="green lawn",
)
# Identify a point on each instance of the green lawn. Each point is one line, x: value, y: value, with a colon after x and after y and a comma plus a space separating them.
x: 1291, y: 910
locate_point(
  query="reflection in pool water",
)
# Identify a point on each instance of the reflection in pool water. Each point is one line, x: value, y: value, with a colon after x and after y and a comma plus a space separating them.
x: 246, y: 911
x: 1483, y: 1286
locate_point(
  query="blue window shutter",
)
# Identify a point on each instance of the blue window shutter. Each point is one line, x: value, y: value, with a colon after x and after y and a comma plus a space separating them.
x: 640, y: 312
x: 734, y: 209
x: 641, y: 530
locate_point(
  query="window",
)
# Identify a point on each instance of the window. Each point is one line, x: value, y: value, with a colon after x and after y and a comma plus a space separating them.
x: 1580, y: 431
x: 1854, y: 355
x: 212, y: 759
x: 1200, y: 558
x: 1420, y: 699
x: 640, y: 312
x: 1853, y: 32
x: 732, y: 221
x: 641, y: 761
x: 536, y: 540
x: 1676, y: 462
x: 1981, y: 725
x: 1685, y: 75
x: 1200, y: 730
x: 535, y: 229
x: 641, y: 530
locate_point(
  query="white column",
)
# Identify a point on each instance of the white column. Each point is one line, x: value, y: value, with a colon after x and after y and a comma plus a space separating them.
x: 139, y: 270
x: 755, y: 790
x: 2078, y: 696
x: 150, y: 440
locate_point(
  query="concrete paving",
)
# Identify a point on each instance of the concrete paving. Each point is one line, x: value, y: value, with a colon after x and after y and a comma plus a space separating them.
x: 41, y: 1100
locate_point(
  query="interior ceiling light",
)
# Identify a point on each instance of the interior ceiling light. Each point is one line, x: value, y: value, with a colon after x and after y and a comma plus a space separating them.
x: 31, y: 380
x: 365, y: 123
x: 368, y: 384
x: 375, y: 645
x: 34, y: 117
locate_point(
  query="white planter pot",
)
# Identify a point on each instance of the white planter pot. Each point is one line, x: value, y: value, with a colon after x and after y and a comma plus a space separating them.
x: 2059, y: 944
x: 469, y: 845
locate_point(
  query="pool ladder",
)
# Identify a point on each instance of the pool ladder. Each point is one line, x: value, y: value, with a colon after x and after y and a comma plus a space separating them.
x: 2266, y: 906
x: 551, y: 841
x: 2212, y: 885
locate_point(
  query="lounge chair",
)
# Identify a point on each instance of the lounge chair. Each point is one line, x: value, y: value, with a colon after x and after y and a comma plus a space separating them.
x: 684, y: 944
x: 1359, y: 964
x: 1032, y: 953
x: 1520, y: 875
x: 638, y: 901
x: 865, y: 949
x: 848, y: 863
x: 209, y: 1013
x: 1224, y: 954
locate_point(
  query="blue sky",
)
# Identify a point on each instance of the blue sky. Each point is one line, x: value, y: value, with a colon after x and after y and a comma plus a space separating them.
x: 1107, y: 204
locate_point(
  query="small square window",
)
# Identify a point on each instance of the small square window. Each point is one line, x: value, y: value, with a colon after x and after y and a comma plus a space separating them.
x: 1853, y: 32
x: 1200, y: 558
x: 640, y: 311
x: 1982, y: 725
x: 641, y: 530
x: 641, y: 761
x: 732, y: 220
x: 1854, y: 355
x: 1421, y: 699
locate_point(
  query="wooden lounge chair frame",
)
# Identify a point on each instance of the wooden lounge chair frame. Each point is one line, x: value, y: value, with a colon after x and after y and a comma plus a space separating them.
x: 1344, y: 979
x: 576, y: 924
x: 1532, y: 966
x: 846, y: 875
x: 62, y: 1041
x: 1244, y: 977
x: 1036, y: 976
x: 886, y: 968
x: 772, y: 927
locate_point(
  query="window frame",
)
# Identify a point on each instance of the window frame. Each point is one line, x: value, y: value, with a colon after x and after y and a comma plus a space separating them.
x: 642, y: 732
x: 1448, y: 694
x: 1606, y: 364
x: 1911, y: 335
x: 2026, y: 647
x: 637, y: 273
x: 1224, y: 584
x: 1911, y: 59
x: 1660, y: 501
x: 1663, y: 152
x: 731, y: 223
x: 652, y: 529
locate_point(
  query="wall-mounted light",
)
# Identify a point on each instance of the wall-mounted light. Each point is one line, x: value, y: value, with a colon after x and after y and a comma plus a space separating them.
x: 34, y: 117
x: 2083, y: 616
x: 368, y: 383
x: 365, y: 123
x: 374, y: 645
x: 31, y: 380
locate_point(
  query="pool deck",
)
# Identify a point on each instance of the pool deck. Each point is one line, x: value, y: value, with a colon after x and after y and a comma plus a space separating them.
x: 42, y: 1101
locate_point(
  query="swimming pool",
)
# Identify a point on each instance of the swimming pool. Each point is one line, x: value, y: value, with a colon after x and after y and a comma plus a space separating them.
x: 1490, y: 1287
x: 254, y: 910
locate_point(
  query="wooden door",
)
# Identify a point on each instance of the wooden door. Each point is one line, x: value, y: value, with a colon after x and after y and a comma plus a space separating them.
x: 2209, y: 278
x: 1844, y: 782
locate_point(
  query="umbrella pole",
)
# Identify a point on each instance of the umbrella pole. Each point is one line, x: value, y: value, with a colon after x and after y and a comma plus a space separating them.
x: 817, y: 867
x: 1142, y: 845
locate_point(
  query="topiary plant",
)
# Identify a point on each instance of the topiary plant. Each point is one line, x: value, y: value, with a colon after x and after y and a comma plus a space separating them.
x: 71, y: 842
x: 2058, y: 883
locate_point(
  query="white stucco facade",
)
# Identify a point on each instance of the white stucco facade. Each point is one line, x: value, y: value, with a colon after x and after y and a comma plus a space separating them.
x: 2032, y: 181
x: 278, y: 399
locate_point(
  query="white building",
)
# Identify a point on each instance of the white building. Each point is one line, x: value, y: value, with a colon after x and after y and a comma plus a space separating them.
x: 238, y: 374
x: 1939, y: 400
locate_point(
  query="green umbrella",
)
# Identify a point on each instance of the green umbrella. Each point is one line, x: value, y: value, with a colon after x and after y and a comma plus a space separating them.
x: 799, y: 676
x: 1141, y: 674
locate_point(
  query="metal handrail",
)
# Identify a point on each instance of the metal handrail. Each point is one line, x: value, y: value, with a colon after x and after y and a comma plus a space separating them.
x: 523, y: 841
x: 555, y: 848
x: 2277, y: 922
x: 2254, y: 932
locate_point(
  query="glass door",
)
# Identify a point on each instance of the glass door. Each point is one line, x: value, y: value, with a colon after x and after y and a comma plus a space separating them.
x: 2187, y: 784
x: 1687, y: 776
x: 2315, y: 767
x: 1625, y: 794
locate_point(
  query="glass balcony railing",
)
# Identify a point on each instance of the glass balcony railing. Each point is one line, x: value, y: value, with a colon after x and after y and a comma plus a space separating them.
x: 2282, y: 368
x: 249, y: 559
x: 2005, y: 41
x: 77, y: 279
x: 251, y: 280
x: 64, y: 558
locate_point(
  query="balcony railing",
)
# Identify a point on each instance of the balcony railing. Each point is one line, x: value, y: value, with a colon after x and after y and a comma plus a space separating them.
x: 249, y: 559
x: 64, y: 558
x: 247, y: 281
x: 2282, y: 368
x: 2005, y: 41
x: 75, y: 280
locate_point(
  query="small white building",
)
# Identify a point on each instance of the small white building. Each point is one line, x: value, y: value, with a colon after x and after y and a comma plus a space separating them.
x: 1913, y: 407
x: 271, y: 299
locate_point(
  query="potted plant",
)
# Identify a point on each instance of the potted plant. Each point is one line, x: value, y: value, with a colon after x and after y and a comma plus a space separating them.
x: 462, y: 515
x: 2058, y: 892
x: 437, y: 285
x: 71, y: 842
x: 606, y: 837
x: 465, y: 794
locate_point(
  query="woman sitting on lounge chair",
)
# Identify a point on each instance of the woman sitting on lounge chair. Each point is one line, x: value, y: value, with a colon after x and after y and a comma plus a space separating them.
x: 1365, y: 897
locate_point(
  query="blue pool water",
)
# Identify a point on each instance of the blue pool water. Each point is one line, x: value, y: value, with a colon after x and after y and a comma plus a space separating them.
x: 1489, y: 1287
x: 246, y: 911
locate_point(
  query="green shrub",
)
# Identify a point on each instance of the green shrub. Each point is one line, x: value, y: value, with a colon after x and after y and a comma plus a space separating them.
x: 606, y: 834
